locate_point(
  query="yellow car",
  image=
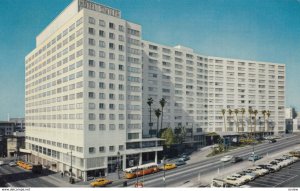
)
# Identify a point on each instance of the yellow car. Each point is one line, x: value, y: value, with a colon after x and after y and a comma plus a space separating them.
x: 168, y: 166
x: 27, y: 167
x: 100, y: 182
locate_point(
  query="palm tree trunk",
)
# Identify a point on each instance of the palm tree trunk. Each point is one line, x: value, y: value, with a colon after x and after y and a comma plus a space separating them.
x: 243, y: 122
x: 150, y: 120
x: 162, y: 116
x: 157, y: 127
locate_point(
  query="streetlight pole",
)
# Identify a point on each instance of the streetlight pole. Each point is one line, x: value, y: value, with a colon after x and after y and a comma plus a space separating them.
x: 118, y: 164
x: 71, y: 168
x: 164, y: 178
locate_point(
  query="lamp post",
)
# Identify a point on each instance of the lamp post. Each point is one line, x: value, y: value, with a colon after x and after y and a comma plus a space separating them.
x: 118, y: 166
x: 71, y: 168
x: 164, y: 178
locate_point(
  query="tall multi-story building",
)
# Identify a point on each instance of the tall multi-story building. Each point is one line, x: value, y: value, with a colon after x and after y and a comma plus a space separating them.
x: 84, y: 91
x: 91, y: 73
x: 197, y: 88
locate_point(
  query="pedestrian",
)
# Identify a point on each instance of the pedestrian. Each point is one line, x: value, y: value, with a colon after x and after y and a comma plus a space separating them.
x: 62, y: 174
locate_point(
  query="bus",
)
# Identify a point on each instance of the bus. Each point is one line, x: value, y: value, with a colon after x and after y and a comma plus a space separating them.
x: 141, y: 170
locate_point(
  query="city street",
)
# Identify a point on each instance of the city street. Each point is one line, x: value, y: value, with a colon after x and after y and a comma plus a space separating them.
x: 188, y: 172
x: 17, y: 177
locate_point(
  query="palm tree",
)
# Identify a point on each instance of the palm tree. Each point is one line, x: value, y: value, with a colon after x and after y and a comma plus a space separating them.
x: 162, y: 104
x: 243, y: 112
x: 268, y: 114
x: 223, y: 112
x: 264, y: 112
x: 255, y: 114
x: 236, y: 111
x: 157, y: 113
x: 250, y: 111
x: 150, y: 102
x: 230, y: 112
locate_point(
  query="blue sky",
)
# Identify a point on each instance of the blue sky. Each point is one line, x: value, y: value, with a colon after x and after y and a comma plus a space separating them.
x: 264, y: 30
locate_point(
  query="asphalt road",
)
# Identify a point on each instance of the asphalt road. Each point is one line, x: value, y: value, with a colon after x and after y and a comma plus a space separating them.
x: 17, y: 177
x: 190, y: 171
x: 286, y: 177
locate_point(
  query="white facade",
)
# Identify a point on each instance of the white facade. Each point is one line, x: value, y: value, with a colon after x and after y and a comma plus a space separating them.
x: 198, y: 87
x: 83, y: 91
x: 84, y: 94
x: 289, y: 113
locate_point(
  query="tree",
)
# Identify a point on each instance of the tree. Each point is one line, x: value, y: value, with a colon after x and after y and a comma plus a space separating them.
x: 168, y: 135
x: 150, y: 102
x: 268, y: 114
x: 250, y: 111
x: 180, y: 134
x: 236, y: 111
x: 157, y: 113
x: 255, y: 112
x: 224, y: 112
x: 294, y: 113
x: 264, y: 112
x: 243, y: 112
x: 162, y: 103
x: 230, y: 113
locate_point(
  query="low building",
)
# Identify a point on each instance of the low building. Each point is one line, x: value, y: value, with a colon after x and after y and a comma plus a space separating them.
x: 14, y: 143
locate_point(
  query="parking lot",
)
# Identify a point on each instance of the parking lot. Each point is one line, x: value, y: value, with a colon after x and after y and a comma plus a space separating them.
x: 286, y: 177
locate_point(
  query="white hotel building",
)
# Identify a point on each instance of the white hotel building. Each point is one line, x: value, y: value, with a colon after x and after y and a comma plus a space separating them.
x: 89, y: 78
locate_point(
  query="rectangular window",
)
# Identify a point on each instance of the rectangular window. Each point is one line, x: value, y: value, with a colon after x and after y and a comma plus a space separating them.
x: 111, y: 148
x: 101, y: 33
x: 111, y: 25
x: 101, y: 149
x: 91, y: 149
x: 91, y: 31
x: 92, y: 20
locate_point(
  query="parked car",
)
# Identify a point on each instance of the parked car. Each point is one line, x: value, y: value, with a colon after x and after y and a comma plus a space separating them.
x: 100, y: 182
x: 168, y: 166
x: 268, y: 167
x: 262, y: 170
x: 276, y: 164
x: 226, y: 158
x: 233, y: 181
x: 244, y: 179
x: 251, y: 173
x: 249, y: 176
x: 236, y: 159
x: 254, y: 157
x: 179, y: 162
x: 272, y: 141
x: 12, y: 163
x: 185, y: 157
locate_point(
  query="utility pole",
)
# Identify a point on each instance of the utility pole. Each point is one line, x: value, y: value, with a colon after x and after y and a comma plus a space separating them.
x: 71, y: 168
x: 164, y: 178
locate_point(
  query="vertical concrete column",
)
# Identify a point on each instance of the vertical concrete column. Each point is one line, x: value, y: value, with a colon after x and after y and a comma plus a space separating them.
x: 155, y: 158
x: 141, y: 159
x: 124, y: 162
x: 84, y: 175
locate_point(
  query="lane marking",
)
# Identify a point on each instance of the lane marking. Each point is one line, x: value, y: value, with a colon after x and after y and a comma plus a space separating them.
x: 286, y: 180
x: 257, y: 183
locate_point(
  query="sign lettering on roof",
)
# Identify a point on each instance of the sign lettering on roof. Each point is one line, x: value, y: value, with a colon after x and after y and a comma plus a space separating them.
x: 99, y: 8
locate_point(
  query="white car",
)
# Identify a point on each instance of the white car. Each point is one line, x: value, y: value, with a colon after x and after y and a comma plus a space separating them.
x: 282, y: 162
x: 258, y: 171
x: 264, y: 171
x: 233, y: 181
x: 226, y: 158
x: 248, y: 176
x: 12, y: 163
x: 1, y: 163
x: 244, y: 179
x: 251, y: 172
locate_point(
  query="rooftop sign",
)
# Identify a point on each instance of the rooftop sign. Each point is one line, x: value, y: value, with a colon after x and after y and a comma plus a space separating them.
x: 99, y: 8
